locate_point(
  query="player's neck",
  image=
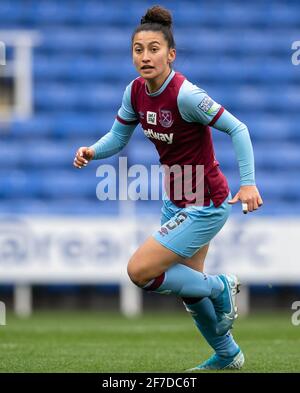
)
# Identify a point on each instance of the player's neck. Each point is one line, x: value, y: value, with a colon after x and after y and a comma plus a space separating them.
x: 154, y: 85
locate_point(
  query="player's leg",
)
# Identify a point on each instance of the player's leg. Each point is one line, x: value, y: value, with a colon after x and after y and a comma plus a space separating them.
x: 148, y: 266
x: 196, y: 227
x: 196, y: 262
x: 155, y: 265
x: 227, y: 352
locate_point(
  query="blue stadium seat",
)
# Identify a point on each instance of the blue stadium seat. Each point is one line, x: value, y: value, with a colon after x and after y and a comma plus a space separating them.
x: 36, y: 126
x: 82, y: 68
x: 71, y: 40
x: 273, y: 128
x: 9, y: 14
x: 88, y: 126
x: 71, y: 206
x: 280, y: 186
x: 11, y: 154
x: 277, y: 156
x: 48, y: 154
x: 19, y: 183
x: 72, y: 96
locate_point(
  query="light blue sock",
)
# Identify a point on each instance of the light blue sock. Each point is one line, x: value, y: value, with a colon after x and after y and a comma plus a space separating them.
x: 204, y: 316
x: 186, y: 282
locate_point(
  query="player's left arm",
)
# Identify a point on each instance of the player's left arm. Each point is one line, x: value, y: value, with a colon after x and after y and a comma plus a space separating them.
x: 248, y: 192
x: 196, y: 106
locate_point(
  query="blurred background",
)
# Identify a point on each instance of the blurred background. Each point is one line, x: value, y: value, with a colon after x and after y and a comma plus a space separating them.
x: 67, y: 65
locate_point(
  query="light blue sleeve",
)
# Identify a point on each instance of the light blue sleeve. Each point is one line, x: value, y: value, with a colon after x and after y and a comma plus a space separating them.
x: 242, y: 145
x: 126, y: 112
x: 114, y: 141
x: 196, y: 106
x: 117, y: 138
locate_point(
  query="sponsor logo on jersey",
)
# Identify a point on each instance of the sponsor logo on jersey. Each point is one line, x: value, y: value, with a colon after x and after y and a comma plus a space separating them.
x: 151, y: 118
x: 165, y: 118
x: 168, y: 138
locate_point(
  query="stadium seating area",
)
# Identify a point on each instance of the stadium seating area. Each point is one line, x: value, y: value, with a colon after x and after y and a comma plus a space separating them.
x: 240, y: 52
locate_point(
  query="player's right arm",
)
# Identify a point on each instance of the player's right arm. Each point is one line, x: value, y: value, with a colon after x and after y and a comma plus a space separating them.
x: 116, y: 139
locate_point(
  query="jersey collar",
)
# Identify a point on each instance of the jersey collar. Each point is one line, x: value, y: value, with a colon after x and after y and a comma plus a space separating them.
x: 163, y: 86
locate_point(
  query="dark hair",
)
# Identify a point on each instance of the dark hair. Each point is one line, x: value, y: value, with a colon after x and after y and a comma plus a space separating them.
x: 157, y: 18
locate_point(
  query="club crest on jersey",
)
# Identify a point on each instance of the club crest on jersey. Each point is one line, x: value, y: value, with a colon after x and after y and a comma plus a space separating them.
x: 165, y: 118
x: 151, y: 118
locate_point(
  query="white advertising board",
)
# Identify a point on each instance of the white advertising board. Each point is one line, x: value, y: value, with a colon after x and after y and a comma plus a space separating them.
x: 95, y: 250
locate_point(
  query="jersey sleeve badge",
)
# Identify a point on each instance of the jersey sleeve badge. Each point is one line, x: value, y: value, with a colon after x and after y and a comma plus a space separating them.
x: 208, y: 106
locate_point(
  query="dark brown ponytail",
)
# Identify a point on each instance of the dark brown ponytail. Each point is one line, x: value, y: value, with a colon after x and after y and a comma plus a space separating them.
x: 157, y: 18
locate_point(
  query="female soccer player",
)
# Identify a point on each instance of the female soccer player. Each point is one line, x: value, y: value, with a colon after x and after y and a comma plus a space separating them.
x: 175, y: 116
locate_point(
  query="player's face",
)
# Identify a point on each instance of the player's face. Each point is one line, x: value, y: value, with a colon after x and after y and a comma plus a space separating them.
x: 151, y: 54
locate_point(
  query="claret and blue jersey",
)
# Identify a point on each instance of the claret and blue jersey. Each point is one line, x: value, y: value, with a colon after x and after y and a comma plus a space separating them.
x: 177, y: 119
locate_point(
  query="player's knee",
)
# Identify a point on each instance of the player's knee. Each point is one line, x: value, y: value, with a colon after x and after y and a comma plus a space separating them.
x: 135, y: 273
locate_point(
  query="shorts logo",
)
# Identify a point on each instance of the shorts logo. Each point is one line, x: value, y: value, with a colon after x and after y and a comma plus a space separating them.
x: 172, y: 224
x: 151, y: 118
x: 165, y: 118
x: 163, y: 231
x: 206, y: 104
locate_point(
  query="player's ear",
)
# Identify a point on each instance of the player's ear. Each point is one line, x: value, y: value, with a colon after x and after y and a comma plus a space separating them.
x: 171, y: 55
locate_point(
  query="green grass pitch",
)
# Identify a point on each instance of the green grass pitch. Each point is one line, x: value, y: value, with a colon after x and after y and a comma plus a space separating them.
x: 156, y: 342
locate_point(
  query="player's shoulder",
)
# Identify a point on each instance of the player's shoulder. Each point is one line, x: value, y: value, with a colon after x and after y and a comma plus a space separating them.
x: 189, y: 94
x: 188, y: 88
x: 137, y: 80
x: 133, y: 88
x: 135, y: 85
x: 195, y: 104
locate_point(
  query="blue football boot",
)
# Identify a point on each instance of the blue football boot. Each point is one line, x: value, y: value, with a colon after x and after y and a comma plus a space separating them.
x: 216, y: 362
x: 224, y: 304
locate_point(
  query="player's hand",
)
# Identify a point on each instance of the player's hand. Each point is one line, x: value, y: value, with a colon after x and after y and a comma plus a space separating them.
x: 83, y: 156
x: 250, y: 198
